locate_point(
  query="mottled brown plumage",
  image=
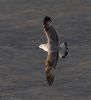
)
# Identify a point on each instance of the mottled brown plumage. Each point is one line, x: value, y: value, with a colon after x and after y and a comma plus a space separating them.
x: 53, y: 48
x: 53, y: 52
x: 50, y: 66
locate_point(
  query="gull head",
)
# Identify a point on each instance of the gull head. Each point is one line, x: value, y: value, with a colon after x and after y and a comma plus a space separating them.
x: 44, y: 47
x: 41, y: 46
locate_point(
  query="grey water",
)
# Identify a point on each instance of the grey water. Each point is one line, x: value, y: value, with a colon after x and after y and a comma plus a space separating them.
x: 22, y: 75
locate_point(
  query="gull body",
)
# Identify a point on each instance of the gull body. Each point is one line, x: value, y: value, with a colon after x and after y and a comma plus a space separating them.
x: 53, y: 49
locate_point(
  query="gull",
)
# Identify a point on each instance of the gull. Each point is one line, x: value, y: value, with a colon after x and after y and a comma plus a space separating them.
x: 53, y: 48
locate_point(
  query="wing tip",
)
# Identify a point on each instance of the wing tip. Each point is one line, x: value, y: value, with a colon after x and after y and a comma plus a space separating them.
x: 50, y: 74
x: 50, y: 80
x: 47, y: 19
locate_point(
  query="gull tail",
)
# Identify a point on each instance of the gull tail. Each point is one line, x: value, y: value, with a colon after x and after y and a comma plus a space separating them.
x: 63, y: 52
x: 50, y: 74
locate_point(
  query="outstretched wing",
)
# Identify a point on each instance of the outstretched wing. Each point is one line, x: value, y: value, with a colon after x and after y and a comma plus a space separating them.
x: 53, y: 53
x: 50, y: 66
x: 50, y: 31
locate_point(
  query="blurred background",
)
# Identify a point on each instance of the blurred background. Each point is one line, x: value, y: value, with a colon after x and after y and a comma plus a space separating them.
x: 22, y: 75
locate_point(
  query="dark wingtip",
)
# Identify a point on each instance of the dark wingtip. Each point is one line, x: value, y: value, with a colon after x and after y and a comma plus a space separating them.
x: 47, y: 19
x: 50, y: 74
x: 50, y: 79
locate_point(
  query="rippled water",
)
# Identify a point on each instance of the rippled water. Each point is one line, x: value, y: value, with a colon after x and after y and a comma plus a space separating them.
x: 22, y: 75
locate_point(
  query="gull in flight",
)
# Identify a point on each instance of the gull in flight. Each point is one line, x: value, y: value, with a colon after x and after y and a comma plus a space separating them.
x: 54, y: 49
